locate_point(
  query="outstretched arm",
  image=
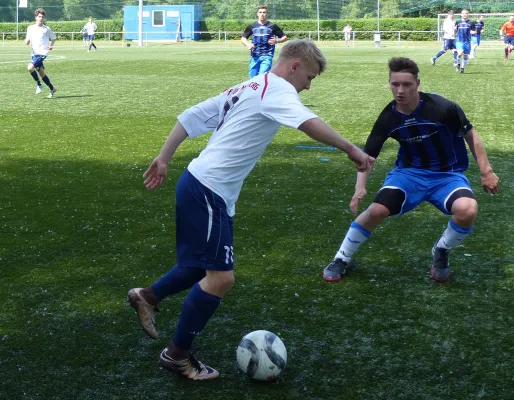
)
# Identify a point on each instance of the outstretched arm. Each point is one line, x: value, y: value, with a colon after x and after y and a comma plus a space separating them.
x: 324, y: 133
x: 489, y: 180
x: 155, y: 175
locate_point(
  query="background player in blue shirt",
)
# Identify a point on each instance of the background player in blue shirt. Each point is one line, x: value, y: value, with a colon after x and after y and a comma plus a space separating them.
x: 465, y: 28
x: 265, y: 35
x: 475, y: 38
x: 432, y: 132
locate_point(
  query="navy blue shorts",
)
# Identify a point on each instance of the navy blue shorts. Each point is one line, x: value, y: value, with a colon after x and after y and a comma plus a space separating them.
x: 204, y: 229
x: 37, y: 61
x: 509, y: 40
x: 91, y: 37
x: 423, y: 185
x: 449, y: 44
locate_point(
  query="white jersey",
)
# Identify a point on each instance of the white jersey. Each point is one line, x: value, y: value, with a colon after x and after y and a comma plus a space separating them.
x: 40, y: 37
x: 90, y: 28
x: 245, y: 119
x: 449, y: 29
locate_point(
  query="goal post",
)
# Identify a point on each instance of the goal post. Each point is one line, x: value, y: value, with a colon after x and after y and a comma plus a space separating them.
x: 492, y: 23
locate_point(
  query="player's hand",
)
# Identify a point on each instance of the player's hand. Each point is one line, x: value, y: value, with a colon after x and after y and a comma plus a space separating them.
x: 50, y: 47
x: 356, y: 199
x: 273, y: 40
x: 362, y: 161
x: 156, y: 174
x: 491, y: 183
x: 251, y: 46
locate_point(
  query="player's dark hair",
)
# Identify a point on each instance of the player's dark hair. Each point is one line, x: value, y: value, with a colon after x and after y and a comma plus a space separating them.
x: 403, y: 64
x: 40, y: 11
x: 262, y: 6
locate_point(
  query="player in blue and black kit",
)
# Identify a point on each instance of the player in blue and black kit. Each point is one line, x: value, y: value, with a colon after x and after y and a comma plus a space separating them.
x: 475, y: 38
x: 465, y: 28
x: 432, y: 132
x: 265, y: 35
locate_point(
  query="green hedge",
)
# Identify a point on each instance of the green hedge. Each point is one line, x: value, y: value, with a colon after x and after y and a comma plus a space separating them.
x: 301, y: 28
x: 115, y: 25
x: 293, y: 28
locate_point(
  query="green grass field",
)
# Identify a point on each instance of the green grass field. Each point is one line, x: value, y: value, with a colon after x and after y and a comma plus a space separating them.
x: 78, y: 230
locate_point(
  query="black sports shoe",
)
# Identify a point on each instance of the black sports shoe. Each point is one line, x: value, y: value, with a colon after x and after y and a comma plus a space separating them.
x: 335, y: 270
x: 462, y: 70
x: 440, y: 270
x: 190, y: 367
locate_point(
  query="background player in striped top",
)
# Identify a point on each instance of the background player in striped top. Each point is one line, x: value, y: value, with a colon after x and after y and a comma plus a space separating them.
x: 265, y: 35
x: 475, y: 38
x: 432, y: 132
x: 465, y: 28
x: 244, y: 119
x: 508, y: 29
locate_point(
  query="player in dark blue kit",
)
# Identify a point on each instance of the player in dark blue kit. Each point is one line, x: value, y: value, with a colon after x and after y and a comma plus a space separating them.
x: 465, y: 28
x: 432, y: 132
x: 265, y: 35
x: 475, y: 38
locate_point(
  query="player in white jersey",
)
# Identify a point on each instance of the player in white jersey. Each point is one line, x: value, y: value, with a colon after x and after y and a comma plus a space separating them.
x: 244, y: 119
x: 448, y: 39
x: 42, y: 39
x: 90, y: 29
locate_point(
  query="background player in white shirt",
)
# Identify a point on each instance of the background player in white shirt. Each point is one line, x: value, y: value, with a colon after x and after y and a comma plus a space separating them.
x: 91, y: 28
x: 42, y: 39
x: 244, y: 119
x: 347, y: 34
x: 448, y: 38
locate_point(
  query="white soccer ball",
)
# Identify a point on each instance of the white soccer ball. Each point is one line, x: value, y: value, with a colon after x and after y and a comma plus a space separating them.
x: 261, y: 355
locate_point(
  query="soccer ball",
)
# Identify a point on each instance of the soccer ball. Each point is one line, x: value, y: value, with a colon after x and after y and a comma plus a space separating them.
x: 261, y: 355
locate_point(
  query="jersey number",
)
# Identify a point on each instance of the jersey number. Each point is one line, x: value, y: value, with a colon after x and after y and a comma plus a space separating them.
x: 229, y: 254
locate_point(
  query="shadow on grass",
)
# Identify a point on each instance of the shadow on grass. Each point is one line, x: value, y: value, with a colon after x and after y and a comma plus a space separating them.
x: 76, y: 235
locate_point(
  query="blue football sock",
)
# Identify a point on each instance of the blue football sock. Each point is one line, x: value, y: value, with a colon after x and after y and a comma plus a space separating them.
x: 176, y: 280
x: 198, y: 308
x: 439, y: 54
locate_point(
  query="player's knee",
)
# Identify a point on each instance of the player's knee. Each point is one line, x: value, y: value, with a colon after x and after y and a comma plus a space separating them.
x: 220, y: 281
x: 465, y: 209
x: 30, y: 67
x: 373, y: 216
x: 391, y: 199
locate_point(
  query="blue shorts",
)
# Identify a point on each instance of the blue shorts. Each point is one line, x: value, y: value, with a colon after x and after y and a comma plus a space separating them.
x: 475, y: 40
x: 509, y: 40
x: 259, y: 65
x: 91, y: 37
x: 449, y: 44
x: 423, y: 185
x: 464, y: 47
x: 37, y: 61
x: 204, y: 230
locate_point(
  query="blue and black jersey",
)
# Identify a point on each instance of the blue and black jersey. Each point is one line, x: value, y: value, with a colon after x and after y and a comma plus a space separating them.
x: 260, y: 34
x: 479, y: 27
x: 464, y: 29
x: 430, y: 138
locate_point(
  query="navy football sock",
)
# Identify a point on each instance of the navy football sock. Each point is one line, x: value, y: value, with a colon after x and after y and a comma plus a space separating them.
x: 176, y: 280
x: 47, y: 82
x: 198, y: 308
x: 36, y: 77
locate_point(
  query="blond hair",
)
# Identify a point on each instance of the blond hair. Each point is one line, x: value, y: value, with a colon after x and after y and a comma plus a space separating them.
x: 305, y: 50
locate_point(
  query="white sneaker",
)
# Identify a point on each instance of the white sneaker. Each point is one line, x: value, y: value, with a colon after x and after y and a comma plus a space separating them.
x: 432, y: 60
x: 52, y: 93
x: 39, y: 89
